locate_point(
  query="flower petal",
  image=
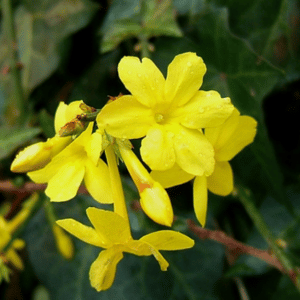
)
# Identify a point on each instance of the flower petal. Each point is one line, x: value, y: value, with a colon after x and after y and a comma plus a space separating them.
x: 185, y: 76
x: 242, y: 136
x: 64, y: 185
x: 200, y: 199
x: 168, y: 240
x: 103, y: 269
x: 231, y: 137
x: 205, y: 109
x: 126, y: 118
x: 109, y: 225
x: 14, y: 258
x: 157, y: 148
x: 171, y: 177
x: 220, y: 182
x: 82, y: 232
x: 97, y: 181
x: 194, y: 153
x: 94, y: 147
x: 218, y: 136
x: 143, y: 79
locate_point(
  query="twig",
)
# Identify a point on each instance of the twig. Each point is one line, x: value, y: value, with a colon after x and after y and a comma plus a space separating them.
x: 235, y: 247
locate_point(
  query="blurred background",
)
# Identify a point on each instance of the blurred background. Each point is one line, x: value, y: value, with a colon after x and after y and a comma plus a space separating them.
x: 66, y: 50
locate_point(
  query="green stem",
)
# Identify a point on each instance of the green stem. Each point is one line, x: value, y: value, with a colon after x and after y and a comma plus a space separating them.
x: 17, y: 89
x: 116, y: 183
x: 248, y: 203
x: 144, y: 46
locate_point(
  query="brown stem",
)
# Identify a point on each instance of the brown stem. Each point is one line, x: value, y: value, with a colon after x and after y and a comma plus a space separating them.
x: 235, y: 247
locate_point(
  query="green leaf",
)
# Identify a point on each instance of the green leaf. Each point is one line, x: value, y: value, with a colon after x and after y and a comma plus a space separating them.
x: 40, y: 28
x: 12, y: 138
x: 137, y: 18
x: 274, y: 34
x: 192, y: 273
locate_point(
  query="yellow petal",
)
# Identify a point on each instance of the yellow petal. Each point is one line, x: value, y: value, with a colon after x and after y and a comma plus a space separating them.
x: 221, y: 180
x: 168, y: 240
x: 218, y: 136
x: 97, y: 181
x: 156, y: 204
x: 103, y: 269
x: 109, y: 225
x: 64, y: 185
x: 185, y: 76
x: 200, y: 199
x: 242, y: 136
x: 172, y: 177
x: 18, y: 244
x: 65, y: 113
x: 126, y: 118
x: 14, y: 258
x: 63, y: 242
x: 82, y: 232
x: 93, y: 147
x: 157, y: 148
x: 60, y: 116
x: 194, y: 153
x: 205, y: 109
x: 143, y: 80
x: 232, y: 136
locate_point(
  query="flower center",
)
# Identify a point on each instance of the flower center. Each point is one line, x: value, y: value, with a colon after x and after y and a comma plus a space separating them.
x: 159, y: 118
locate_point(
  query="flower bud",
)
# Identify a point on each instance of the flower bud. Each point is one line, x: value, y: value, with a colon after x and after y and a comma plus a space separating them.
x: 157, y: 205
x: 154, y: 198
x: 38, y: 155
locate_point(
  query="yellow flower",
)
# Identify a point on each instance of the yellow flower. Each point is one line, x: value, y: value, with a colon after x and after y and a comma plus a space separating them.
x: 79, y: 160
x: 228, y: 140
x: 112, y: 232
x: 154, y: 199
x: 170, y: 112
x: 38, y: 155
x: 5, y: 236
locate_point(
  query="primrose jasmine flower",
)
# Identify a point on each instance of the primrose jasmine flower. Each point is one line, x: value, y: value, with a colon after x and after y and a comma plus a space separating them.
x: 169, y: 113
x: 228, y: 140
x: 112, y: 232
x: 78, y: 161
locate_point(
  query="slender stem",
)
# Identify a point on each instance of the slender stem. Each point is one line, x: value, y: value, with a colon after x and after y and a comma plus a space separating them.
x: 17, y: 89
x: 144, y: 46
x: 264, y: 230
x: 117, y: 189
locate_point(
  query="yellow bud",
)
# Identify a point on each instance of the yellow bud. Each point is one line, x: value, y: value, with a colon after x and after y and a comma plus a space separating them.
x: 38, y: 155
x: 155, y: 201
x: 63, y: 242
x: 157, y: 205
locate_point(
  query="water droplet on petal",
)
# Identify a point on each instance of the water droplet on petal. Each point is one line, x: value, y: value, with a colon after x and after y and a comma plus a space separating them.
x: 189, y: 64
x: 219, y: 106
x: 201, y: 109
x: 139, y: 75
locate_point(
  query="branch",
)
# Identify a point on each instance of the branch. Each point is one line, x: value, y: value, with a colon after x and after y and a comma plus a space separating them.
x: 235, y: 247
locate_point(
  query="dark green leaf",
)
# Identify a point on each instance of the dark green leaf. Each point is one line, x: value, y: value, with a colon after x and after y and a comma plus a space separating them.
x: 137, y: 18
